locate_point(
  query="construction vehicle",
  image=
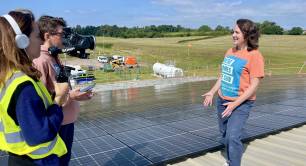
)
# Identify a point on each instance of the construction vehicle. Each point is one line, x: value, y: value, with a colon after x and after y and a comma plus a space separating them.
x: 112, y: 65
x: 130, y: 61
x: 117, y: 62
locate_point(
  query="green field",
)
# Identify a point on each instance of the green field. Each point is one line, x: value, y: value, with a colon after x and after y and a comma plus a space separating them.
x: 283, y: 54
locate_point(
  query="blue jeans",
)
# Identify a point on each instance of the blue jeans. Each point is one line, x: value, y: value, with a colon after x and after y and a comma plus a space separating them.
x: 231, y: 129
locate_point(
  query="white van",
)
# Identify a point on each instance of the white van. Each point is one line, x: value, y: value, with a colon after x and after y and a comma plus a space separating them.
x: 102, y: 59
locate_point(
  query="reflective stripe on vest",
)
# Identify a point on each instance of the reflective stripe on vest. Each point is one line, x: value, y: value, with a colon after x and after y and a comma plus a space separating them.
x: 44, y: 150
x: 1, y: 127
x: 13, y: 137
x: 16, y: 137
x: 9, y: 81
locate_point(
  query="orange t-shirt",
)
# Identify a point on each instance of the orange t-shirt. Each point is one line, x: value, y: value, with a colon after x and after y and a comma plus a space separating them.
x: 238, y: 67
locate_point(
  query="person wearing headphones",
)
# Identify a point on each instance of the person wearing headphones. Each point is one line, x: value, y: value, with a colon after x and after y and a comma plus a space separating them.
x: 29, y: 119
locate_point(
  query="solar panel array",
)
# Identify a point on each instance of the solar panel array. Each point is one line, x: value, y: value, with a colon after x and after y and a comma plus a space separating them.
x: 158, y: 125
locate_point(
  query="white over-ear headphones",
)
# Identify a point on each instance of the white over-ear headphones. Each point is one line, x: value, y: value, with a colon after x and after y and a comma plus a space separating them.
x: 21, y: 39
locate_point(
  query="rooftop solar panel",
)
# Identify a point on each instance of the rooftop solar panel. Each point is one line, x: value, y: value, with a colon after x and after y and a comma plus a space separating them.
x: 156, y: 125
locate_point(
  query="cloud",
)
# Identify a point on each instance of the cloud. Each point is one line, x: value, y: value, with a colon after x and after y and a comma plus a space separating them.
x: 173, y: 2
x: 217, y: 8
x: 67, y: 11
x: 70, y: 11
x: 287, y: 7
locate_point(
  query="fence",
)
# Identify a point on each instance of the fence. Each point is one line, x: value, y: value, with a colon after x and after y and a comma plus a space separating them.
x: 145, y: 71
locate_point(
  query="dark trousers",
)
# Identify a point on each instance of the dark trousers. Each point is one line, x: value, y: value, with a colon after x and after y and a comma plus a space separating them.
x: 231, y: 129
x: 24, y: 160
x: 15, y: 160
x: 66, y: 133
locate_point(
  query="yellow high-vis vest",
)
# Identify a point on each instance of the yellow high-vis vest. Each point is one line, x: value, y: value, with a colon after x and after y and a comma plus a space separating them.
x: 11, y: 138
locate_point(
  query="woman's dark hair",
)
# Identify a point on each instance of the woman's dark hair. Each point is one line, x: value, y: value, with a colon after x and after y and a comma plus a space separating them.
x: 250, y: 32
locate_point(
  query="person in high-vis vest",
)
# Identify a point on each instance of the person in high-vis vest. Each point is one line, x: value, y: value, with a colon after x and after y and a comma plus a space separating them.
x: 29, y: 118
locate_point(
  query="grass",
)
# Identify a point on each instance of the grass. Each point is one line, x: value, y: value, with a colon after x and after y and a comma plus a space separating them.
x: 283, y: 54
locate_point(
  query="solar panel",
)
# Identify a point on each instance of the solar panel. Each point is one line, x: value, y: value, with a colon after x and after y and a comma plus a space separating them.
x: 282, y: 109
x: 121, y: 156
x: 194, y: 124
x: 294, y: 102
x: 3, y: 160
x: 123, y: 123
x: 148, y: 134
x: 85, y: 130
x: 276, y: 121
x: 211, y: 132
x: 156, y: 125
x: 167, y: 117
x: 251, y: 131
x: 2, y: 153
x: 169, y: 148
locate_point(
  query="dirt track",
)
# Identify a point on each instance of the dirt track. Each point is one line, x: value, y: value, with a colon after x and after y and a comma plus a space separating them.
x: 83, y: 62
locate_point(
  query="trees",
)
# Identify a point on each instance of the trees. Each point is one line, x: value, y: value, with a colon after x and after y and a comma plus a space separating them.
x: 152, y: 31
x: 204, y: 28
x: 296, y: 31
x: 270, y: 28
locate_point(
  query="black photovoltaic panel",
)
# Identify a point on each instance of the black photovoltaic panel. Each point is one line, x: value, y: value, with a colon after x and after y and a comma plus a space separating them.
x: 194, y: 124
x: 179, y: 115
x: 273, y: 108
x: 3, y: 160
x: 283, y: 109
x: 95, y: 145
x: 294, y: 102
x: 121, y: 156
x: 120, y: 122
x: 2, y: 153
x: 154, y: 125
x: 300, y: 113
x: 85, y: 130
x: 276, y: 121
x: 147, y: 134
x: 251, y: 132
x: 162, y: 150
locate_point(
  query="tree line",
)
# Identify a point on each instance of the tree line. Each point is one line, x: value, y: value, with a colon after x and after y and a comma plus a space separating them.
x: 153, y: 31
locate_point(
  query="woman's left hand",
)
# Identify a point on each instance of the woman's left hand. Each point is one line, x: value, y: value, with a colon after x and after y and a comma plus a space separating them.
x: 76, y: 94
x: 230, y: 106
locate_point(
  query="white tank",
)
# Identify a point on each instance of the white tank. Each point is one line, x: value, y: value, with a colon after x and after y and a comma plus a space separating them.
x: 167, y: 71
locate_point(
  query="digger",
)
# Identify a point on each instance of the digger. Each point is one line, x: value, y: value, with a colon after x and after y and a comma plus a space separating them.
x: 116, y: 64
x: 112, y: 65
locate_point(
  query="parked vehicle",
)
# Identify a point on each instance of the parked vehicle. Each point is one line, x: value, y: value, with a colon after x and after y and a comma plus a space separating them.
x: 102, y: 59
x: 118, y: 57
x: 130, y: 61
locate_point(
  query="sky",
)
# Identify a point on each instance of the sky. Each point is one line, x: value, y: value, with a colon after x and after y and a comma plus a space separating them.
x: 188, y: 13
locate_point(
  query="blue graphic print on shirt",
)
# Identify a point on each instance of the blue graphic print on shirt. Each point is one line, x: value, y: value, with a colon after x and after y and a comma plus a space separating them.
x: 232, y: 68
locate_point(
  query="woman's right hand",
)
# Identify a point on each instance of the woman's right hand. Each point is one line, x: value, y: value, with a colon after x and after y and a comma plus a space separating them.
x: 61, y: 93
x: 208, y: 98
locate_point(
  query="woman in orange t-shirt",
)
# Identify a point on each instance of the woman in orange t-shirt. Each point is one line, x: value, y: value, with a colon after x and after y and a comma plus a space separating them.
x: 242, y: 70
